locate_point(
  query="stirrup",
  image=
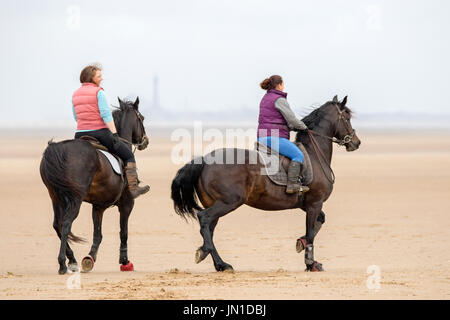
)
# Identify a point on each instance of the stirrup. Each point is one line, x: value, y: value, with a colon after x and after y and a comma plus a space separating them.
x: 303, y: 189
x: 293, y: 189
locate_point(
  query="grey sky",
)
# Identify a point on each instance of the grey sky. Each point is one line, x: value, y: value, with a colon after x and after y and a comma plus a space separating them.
x: 388, y: 56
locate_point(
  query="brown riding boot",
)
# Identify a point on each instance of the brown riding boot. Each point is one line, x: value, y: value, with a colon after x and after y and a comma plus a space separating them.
x: 293, y: 184
x: 132, y: 179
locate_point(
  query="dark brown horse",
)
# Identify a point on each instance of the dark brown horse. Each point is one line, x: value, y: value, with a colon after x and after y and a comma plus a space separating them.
x: 74, y: 171
x: 222, y: 188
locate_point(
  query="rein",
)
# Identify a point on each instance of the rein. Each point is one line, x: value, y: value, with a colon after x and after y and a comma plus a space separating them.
x: 340, y: 142
x: 136, y: 145
x: 346, y: 139
x: 322, y: 158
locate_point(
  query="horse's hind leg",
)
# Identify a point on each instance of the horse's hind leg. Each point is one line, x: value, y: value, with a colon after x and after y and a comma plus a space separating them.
x: 67, y: 220
x: 202, y: 252
x: 73, y: 265
x: 97, y: 218
x: 208, y: 220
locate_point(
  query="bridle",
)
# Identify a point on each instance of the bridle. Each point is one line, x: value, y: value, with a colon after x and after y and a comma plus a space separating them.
x: 346, y: 139
x: 350, y: 131
x: 144, y: 139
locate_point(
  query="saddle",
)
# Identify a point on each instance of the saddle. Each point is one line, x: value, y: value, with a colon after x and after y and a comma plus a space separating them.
x: 116, y: 163
x: 276, y: 165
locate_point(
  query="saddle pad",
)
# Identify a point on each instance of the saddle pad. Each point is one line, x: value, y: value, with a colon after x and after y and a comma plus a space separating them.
x: 273, y: 165
x: 113, y: 161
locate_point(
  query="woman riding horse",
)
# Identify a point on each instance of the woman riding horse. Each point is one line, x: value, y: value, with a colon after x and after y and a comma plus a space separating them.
x: 93, y: 116
x: 275, y: 120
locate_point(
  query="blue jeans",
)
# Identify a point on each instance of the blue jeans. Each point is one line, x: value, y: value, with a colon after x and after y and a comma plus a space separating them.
x: 284, y: 147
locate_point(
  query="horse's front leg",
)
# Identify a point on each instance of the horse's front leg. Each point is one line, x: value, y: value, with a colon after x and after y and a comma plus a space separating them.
x: 312, y: 213
x: 301, y: 242
x: 97, y: 218
x: 126, y: 205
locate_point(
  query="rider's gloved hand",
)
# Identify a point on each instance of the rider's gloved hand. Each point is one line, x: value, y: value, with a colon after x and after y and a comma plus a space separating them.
x: 116, y: 141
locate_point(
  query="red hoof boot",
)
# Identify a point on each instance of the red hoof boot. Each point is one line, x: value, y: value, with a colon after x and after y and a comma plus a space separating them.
x: 127, y: 267
x: 315, y: 267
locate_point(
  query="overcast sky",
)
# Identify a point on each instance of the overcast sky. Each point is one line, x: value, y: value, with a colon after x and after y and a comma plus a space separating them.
x: 387, y: 56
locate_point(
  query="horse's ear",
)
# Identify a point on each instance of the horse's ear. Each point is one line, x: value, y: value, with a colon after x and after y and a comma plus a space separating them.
x: 344, y: 102
x: 335, y: 99
x: 136, y: 103
x: 120, y: 101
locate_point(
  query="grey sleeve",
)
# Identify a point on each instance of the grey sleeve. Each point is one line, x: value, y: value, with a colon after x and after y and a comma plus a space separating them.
x: 282, y: 105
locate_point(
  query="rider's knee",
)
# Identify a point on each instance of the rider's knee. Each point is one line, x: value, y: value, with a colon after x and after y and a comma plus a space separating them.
x: 298, y: 157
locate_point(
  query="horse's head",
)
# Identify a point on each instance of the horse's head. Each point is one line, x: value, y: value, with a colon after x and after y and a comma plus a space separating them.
x: 344, y: 132
x: 131, y: 123
x: 332, y: 121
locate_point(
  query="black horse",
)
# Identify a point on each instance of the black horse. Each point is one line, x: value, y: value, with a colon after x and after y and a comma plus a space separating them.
x: 222, y: 188
x: 74, y: 171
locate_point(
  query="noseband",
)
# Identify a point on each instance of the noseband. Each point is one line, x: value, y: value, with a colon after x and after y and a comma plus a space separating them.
x: 350, y: 131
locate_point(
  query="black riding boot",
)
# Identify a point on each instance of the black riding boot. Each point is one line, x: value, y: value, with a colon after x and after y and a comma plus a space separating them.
x: 293, y: 183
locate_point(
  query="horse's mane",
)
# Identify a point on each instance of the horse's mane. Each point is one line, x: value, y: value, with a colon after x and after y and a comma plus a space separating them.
x: 118, y: 112
x: 314, y: 117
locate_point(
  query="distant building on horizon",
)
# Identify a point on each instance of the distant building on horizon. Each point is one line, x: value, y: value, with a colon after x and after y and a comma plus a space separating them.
x: 155, y: 100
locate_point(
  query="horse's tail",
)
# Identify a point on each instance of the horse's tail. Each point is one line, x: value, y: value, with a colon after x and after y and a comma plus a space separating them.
x: 65, y: 193
x: 184, y: 188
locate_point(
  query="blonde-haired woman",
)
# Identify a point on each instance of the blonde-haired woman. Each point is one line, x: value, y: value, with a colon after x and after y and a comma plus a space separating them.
x: 94, y: 118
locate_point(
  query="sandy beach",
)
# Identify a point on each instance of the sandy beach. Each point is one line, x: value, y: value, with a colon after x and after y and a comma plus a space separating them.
x: 389, y: 209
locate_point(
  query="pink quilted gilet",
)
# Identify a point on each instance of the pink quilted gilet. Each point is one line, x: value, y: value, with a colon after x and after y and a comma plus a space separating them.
x: 86, y: 107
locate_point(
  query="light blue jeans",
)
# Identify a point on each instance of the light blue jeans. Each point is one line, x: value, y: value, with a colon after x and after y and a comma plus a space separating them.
x: 284, y: 147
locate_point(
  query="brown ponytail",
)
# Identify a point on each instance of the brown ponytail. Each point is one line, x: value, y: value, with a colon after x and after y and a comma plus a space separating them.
x: 271, y: 83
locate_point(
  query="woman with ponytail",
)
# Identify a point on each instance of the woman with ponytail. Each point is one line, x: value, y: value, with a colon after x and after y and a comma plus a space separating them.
x: 276, y: 119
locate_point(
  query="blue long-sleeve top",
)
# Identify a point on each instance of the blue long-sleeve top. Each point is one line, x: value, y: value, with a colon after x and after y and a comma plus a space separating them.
x: 103, y: 107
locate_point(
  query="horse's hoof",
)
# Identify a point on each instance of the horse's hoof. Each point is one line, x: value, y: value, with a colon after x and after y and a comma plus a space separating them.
x: 200, y: 255
x: 87, y: 264
x: 315, y: 267
x: 127, y: 267
x: 301, y: 244
x: 62, y: 270
x: 228, y: 269
x: 225, y: 268
x: 73, y: 267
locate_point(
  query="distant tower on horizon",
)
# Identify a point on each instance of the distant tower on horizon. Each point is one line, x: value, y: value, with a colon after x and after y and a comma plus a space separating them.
x: 155, y: 101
